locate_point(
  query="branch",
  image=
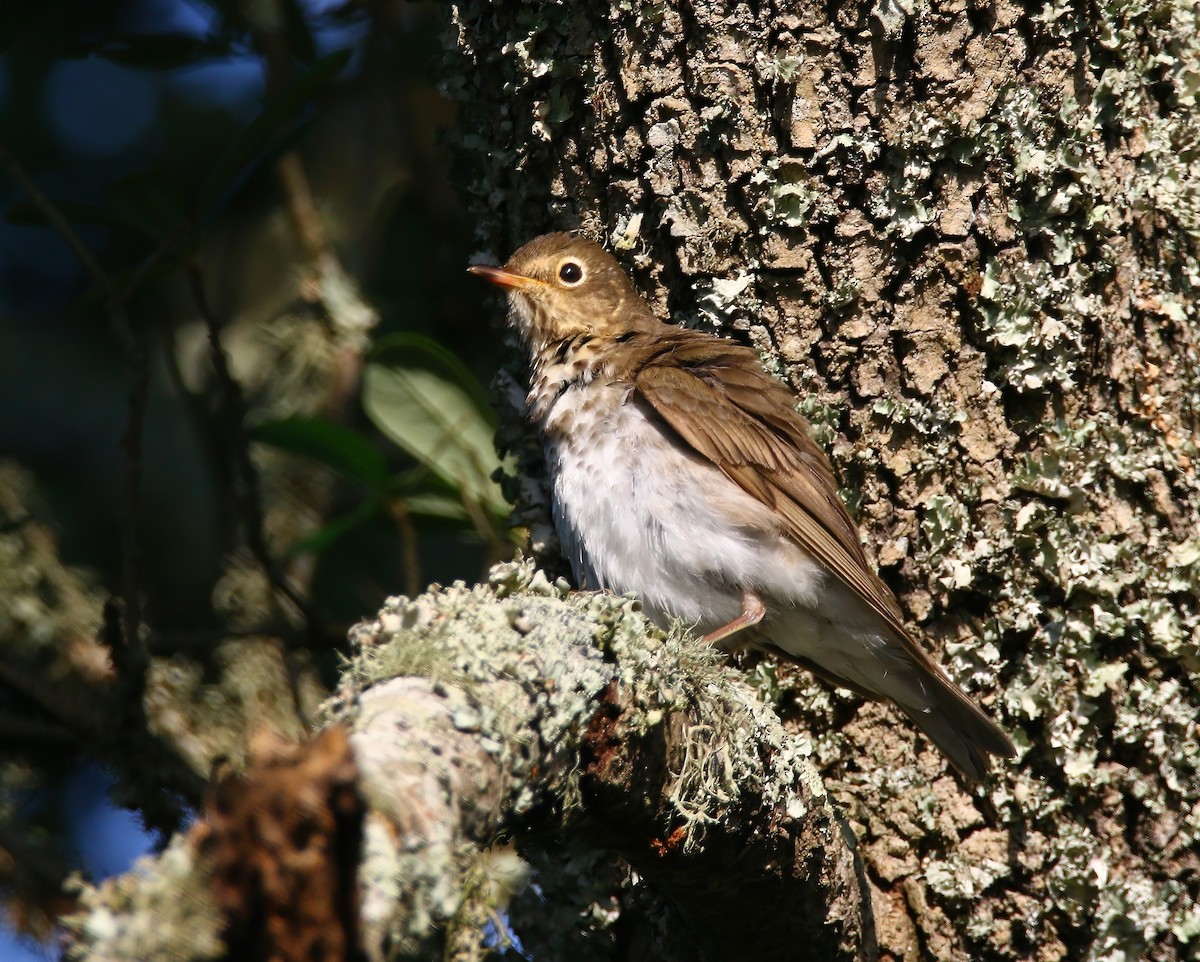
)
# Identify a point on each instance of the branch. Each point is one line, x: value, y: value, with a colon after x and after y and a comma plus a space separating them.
x: 72, y: 239
x: 517, y: 709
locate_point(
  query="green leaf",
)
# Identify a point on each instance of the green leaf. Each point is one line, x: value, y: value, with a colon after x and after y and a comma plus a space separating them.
x: 330, y: 444
x: 339, y: 527
x: 426, y: 401
x: 266, y: 134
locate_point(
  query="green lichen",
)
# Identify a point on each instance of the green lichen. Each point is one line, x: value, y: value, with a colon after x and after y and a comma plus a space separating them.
x: 513, y: 630
x: 792, y: 196
x: 1081, y: 564
x: 521, y: 665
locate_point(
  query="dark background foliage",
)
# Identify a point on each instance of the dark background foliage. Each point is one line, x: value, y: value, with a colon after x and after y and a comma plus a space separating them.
x: 162, y: 131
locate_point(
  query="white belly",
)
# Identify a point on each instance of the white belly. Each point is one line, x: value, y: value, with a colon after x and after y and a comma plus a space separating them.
x: 636, y: 512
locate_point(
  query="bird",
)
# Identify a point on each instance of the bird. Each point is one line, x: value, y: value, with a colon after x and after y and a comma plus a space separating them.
x: 681, y: 471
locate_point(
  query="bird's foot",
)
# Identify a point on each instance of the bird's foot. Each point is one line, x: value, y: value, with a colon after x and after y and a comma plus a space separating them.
x: 753, y: 611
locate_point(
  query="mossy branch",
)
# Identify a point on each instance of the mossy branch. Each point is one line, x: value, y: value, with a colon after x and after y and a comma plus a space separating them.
x: 516, y: 710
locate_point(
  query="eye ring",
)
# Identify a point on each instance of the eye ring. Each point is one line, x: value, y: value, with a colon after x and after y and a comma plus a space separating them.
x: 571, y: 273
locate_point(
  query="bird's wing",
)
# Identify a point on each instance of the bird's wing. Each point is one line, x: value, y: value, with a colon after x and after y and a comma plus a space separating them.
x: 716, y: 397
x: 721, y: 403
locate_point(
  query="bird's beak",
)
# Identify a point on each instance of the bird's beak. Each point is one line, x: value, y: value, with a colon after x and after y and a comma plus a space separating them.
x: 502, y: 278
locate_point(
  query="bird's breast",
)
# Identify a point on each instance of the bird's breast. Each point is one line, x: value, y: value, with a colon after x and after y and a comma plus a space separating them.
x: 636, y: 510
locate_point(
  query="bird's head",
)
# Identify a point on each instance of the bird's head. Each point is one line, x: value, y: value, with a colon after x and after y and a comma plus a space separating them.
x: 563, y: 285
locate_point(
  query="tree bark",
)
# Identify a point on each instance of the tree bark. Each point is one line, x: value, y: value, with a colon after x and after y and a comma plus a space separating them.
x: 968, y: 234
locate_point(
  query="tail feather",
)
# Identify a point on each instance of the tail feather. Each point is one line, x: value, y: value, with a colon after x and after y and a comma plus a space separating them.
x: 880, y: 666
x: 960, y: 729
x: 942, y: 710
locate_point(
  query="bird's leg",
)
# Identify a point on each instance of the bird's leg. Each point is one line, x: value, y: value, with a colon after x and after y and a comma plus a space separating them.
x: 753, y: 611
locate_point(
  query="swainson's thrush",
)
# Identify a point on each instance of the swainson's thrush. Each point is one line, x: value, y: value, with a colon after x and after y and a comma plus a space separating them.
x: 682, y: 472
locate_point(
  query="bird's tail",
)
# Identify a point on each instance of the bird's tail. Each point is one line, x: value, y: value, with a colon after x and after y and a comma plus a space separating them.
x: 959, y: 728
x: 879, y: 665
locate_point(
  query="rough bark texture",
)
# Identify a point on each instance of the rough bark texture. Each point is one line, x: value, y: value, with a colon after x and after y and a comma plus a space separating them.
x: 510, y: 709
x: 968, y: 233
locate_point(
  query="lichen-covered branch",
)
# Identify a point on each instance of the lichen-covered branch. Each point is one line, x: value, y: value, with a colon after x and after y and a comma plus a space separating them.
x: 513, y: 710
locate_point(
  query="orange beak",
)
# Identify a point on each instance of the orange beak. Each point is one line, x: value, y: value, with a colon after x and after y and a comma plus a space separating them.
x: 502, y: 278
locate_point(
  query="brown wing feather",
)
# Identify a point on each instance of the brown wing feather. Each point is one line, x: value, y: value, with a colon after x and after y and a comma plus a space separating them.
x: 741, y: 419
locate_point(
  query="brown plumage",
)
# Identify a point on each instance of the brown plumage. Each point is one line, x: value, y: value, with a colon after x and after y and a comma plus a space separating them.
x: 682, y: 472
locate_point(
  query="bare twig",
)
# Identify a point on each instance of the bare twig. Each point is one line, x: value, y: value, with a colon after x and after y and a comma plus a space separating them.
x: 169, y: 245
x: 29, y: 735
x: 351, y: 317
x: 75, y: 714
x: 15, y: 514
x: 303, y: 209
x: 202, y: 641
x: 37, y: 863
x: 408, y: 545
x: 114, y: 302
x: 132, y: 443
x: 47, y: 209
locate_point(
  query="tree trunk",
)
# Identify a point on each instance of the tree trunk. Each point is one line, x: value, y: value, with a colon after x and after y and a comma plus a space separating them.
x: 967, y: 233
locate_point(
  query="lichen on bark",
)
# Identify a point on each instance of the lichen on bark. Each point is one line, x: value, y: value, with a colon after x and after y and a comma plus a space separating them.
x: 547, y: 690
x: 514, y: 710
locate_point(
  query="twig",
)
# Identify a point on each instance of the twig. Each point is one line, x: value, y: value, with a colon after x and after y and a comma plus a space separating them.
x: 35, y: 862
x: 266, y: 24
x: 304, y: 209
x: 114, y: 303
x: 351, y: 317
x: 47, y: 209
x: 15, y: 515
x: 248, y: 491
x: 202, y: 641
x: 20, y: 734
x: 408, y: 546
x: 169, y: 245
x: 132, y: 443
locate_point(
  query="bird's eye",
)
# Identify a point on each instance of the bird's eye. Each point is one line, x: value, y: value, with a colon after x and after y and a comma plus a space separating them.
x: 570, y: 272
